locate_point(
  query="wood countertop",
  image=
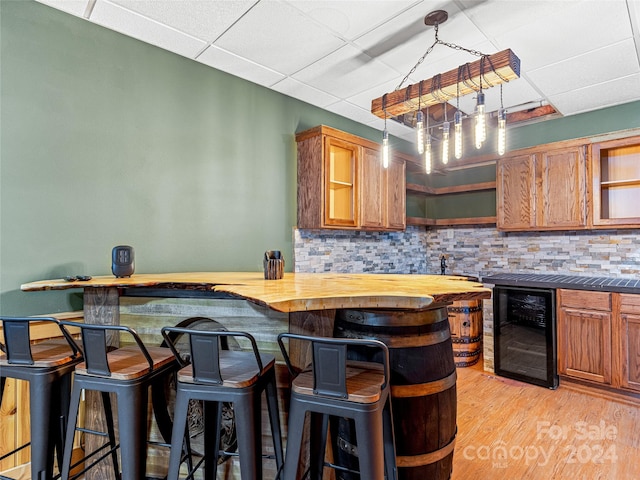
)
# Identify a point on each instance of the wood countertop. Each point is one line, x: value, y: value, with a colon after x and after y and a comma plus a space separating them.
x: 298, y: 292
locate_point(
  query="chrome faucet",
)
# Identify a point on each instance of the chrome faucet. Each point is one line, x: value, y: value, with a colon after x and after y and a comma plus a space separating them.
x: 443, y: 264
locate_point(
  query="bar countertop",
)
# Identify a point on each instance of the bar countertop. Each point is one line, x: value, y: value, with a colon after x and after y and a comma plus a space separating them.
x: 572, y: 282
x: 298, y: 292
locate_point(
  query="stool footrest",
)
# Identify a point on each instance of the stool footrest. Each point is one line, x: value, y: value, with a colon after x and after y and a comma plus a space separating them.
x: 94, y: 462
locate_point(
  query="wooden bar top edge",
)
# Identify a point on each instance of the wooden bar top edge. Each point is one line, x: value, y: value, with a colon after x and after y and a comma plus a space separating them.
x: 301, y: 291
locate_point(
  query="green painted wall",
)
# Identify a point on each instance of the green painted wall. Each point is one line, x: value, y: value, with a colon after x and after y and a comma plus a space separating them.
x: 106, y: 140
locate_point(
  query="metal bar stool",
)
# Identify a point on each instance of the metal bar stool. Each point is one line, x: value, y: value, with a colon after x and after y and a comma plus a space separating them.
x: 336, y: 386
x: 127, y: 372
x: 47, y: 366
x: 214, y: 376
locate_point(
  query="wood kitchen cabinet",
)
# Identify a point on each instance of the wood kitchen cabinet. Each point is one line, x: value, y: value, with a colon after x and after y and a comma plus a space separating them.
x: 616, y: 183
x: 599, y: 338
x: 342, y: 184
x: 629, y: 342
x: 584, y: 335
x: 542, y: 189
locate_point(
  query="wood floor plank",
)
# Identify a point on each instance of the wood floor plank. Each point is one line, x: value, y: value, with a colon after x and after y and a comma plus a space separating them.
x: 512, y: 430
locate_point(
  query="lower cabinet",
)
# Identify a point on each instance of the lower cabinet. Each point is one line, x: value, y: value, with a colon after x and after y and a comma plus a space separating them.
x: 630, y: 342
x: 599, y: 338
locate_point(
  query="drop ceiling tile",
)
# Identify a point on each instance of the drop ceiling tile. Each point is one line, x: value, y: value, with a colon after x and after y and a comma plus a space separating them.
x: 348, y: 18
x: 597, y: 66
x: 351, y: 111
x: 278, y: 36
x: 240, y: 67
x: 402, y: 41
x: 363, y: 99
x: 345, y: 72
x: 205, y: 20
x: 495, y: 18
x: 74, y: 7
x: 304, y: 92
x: 586, y: 26
x: 136, y: 26
x: 615, y: 92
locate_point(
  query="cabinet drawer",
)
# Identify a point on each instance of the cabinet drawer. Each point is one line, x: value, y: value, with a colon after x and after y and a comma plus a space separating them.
x: 629, y: 303
x: 585, y: 300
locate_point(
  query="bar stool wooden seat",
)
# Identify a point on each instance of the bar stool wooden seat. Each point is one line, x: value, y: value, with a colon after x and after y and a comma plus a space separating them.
x: 127, y: 372
x: 214, y: 376
x: 336, y: 386
x: 47, y: 366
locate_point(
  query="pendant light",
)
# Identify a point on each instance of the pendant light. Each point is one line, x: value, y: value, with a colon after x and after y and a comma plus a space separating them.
x: 480, y: 112
x: 420, y: 124
x: 428, y: 162
x: 502, y: 127
x: 385, y: 138
x: 457, y: 122
x: 481, y: 121
x: 445, y: 137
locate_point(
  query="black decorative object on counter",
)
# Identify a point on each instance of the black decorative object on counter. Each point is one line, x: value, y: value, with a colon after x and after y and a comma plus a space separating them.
x: 122, y: 261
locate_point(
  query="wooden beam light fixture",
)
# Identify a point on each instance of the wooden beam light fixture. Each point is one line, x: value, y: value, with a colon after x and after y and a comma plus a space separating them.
x: 488, y: 71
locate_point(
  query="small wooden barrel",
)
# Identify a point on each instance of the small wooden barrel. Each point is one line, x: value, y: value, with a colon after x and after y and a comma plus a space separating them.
x: 423, y: 388
x: 465, y: 320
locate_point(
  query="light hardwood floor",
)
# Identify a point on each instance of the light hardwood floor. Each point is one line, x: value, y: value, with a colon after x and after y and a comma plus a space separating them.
x: 511, y: 430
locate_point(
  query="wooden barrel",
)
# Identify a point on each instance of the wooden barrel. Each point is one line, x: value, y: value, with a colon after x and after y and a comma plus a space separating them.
x: 465, y: 320
x: 423, y: 388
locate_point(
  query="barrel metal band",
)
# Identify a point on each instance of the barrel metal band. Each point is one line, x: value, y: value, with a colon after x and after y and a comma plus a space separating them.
x: 466, y: 339
x: 422, y: 389
x: 466, y: 354
x: 419, y: 340
x: 464, y: 309
x: 425, y: 458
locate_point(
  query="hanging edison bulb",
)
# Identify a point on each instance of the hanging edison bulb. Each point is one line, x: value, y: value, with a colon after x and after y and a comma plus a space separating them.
x: 445, y: 143
x: 385, y: 148
x: 481, y: 121
x: 502, y: 131
x: 420, y: 131
x: 428, y: 162
x: 457, y: 134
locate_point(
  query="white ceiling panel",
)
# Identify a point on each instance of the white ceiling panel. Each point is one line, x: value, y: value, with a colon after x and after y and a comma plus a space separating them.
x: 240, y: 67
x: 345, y: 72
x: 277, y: 35
x: 348, y: 18
x: 495, y: 18
x: 615, y: 92
x: 350, y: 110
x: 135, y: 25
x: 614, y: 61
x: 392, y: 44
x: 304, y: 92
x: 206, y: 20
x: 586, y: 26
x: 74, y: 7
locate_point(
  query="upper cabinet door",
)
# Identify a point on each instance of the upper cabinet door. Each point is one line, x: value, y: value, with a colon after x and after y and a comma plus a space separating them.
x: 561, y: 184
x: 396, y: 195
x: 515, y: 192
x: 341, y: 174
x: 372, y: 193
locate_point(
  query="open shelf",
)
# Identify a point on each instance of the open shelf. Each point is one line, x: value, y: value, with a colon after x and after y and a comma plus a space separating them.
x: 616, y: 182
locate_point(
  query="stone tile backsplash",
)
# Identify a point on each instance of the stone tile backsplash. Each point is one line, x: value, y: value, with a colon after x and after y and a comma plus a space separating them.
x: 344, y: 251
x: 474, y: 251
